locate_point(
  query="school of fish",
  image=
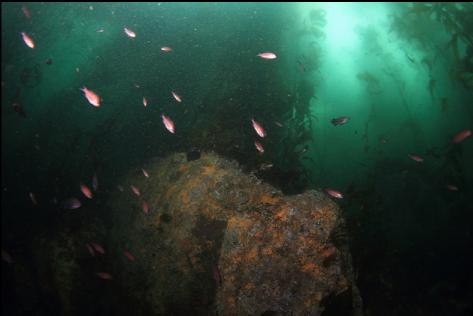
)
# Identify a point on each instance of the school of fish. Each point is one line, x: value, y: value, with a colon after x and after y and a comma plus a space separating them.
x: 95, y: 100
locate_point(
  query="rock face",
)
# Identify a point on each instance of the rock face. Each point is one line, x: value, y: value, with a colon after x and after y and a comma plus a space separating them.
x: 217, y: 241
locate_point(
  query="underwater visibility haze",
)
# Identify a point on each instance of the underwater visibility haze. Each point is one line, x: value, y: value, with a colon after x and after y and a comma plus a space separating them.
x: 237, y: 158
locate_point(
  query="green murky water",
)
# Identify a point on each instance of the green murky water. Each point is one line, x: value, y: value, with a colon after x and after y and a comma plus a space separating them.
x: 401, y: 74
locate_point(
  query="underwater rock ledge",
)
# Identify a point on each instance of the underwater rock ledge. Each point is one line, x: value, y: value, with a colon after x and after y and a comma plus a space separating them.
x: 218, y: 241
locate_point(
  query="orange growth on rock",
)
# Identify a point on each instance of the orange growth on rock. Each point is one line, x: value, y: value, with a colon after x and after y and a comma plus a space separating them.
x: 231, y: 302
x: 268, y: 199
x: 239, y: 224
x: 183, y: 167
x: 185, y: 197
x: 249, y: 286
x: 282, y: 213
x: 208, y: 170
x: 253, y: 254
x: 329, y: 252
x: 311, y: 268
x: 317, y: 215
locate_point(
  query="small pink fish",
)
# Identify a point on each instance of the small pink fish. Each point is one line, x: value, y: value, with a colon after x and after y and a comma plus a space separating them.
x: 451, y: 187
x: 28, y: 41
x: 6, y: 257
x: 91, y: 250
x: 130, y: 33
x: 168, y: 123
x: 145, y: 207
x: 267, y: 55
x: 259, y: 147
x: 340, y: 120
x: 145, y: 102
x: 135, y: 190
x: 33, y: 198
x: 416, y: 158
x: 91, y: 96
x: 86, y: 191
x: 26, y: 12
x: 461, y: 136
x: 71, y: 203
x: 104, y: 275
x: 95, y: 182
x: 334, y: 193
x: 145, y: 173
x: 177, y: 97
x: 258, y: 128
x: 166, y: 49
x: 301, y: 66
x: 98, y: 247
x: 216, y: 275
x: 128, y: 255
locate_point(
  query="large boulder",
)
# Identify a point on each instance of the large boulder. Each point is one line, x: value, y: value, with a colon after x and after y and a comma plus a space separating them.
x: 219, y: 241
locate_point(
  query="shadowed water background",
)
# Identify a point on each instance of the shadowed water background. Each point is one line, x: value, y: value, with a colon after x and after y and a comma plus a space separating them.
x: 401, y: 73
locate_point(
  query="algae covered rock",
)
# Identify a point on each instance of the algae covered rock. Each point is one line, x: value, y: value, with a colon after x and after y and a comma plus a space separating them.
x: 218, y: 241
